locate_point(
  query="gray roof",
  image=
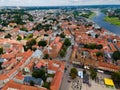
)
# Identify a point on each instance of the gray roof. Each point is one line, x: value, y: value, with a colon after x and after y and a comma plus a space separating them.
x: 37, y: 81
x: 37, y: 54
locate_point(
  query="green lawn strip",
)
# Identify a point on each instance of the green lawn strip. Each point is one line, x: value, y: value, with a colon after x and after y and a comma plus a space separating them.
x: 92, y: 15
x: 112, y: 20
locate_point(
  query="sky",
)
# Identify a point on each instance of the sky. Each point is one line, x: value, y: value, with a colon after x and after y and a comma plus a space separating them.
x: 56, y: 2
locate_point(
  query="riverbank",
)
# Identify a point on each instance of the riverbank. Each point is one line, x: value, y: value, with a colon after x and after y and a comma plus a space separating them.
x: 112, y: 20
x: 99, y: 19
x: 92, y: 15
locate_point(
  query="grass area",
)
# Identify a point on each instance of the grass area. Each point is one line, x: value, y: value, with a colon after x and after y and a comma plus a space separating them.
x: 92, y: 15
x: 46, y: 85
x: 51, y: 75
x: 112, y: 20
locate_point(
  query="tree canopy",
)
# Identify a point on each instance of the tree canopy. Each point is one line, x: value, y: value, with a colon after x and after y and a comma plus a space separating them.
x: 73, y: 73
x: 67, y: 42
x: 19, y: 38
x: 93, y: 46
x: 93, y: 73
x: 31, y: 42
x: 42, y: 43
x: 40, y: 73
x: 1, y: 50
x: 62, y: 53
x: 116, y: 55
x: 98, y: 54
x: 116, y: 76
x: 8, y: 35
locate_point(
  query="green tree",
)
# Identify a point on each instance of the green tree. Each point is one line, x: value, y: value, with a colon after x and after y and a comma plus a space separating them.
x: 30, y: 36
x: 42, y: 43
x: 46, y: 85
x: 8, y: 35
x: 62, y: 35
x: 116, y: 76
x: 96, y: 36
x: 74, y: 70
x: 64, y: 48
x: 98, y: 54
x: 116, y: 55
x: 67, y: 42
x: 100, y: 46
x: 62, y: 53
x: 38, y: 27
x: 40, y: 73
x: 19, y: 38
x: 73, y: 73
x: 24, y: 29
x: 31, y: 83
x: 1, y: 50
x: 31, y: 42
x: 1, y: 65
x: 93, y: 73
x: 46, y: 56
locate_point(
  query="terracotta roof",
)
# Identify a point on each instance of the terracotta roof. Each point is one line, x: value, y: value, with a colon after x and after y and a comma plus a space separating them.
x: 9, y: 62
x: 19, y: 76
x: 56, y: 46
x: 56, y: 82
x: 13, y: 85
x: 8, y: 56
x: 40, y: 64
x: 67, y: 32
x: 108, y: 66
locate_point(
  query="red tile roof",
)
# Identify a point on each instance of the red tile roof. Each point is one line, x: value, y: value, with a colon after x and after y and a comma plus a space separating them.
x: 13, y: 85
x: 108, y: 66
x: 56, y: 82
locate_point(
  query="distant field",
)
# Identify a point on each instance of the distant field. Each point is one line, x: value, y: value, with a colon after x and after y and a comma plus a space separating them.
x: 112, y: 20
x: 92, y: 15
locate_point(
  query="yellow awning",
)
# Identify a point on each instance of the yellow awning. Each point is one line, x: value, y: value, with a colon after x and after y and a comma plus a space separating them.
x: 108, y: 81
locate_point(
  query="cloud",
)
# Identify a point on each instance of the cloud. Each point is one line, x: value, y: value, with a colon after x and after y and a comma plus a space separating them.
x: 55, y: 2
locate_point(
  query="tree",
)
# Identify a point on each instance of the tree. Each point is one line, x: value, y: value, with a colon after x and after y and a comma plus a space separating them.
x: 64, y: 48
x: 46, y: 56
x: 93, y: 73
x: 27, y: 48
x: 100, y: 46
x: 116, y: 55
x: 62, y: 53
x: 67, y: 42
x: 24, y: 29
x: 40, y: 73
x: 1, y: 50
x: 32, y: 83
x: 46, y: 85
x: 62, y: 35
x: 19, y: 38
x: 8, y: 36
x: 42, y: 43
x: 31, y: 42
x: 116, y: 76
x: 74, y: 70
x: 73, y: 73
x: 98, y: 54
x: 96, y: 36
x: 38, y: 27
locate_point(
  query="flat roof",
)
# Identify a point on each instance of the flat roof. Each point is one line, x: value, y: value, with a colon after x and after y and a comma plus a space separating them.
x: 108, y: 81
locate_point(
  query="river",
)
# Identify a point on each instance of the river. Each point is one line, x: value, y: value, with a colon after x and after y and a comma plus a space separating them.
x: 99, y: 19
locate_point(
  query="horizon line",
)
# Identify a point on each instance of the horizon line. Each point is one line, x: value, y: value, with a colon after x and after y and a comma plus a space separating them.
x: 64, y: 5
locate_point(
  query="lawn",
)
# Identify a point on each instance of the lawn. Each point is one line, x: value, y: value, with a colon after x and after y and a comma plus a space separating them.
x: 92, y: 15
x: 112, y: 20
